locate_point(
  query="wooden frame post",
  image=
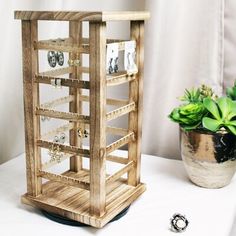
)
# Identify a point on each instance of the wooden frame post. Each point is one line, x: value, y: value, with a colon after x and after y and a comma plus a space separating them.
x: 97, y: 63
x: 31, y: 100
x: 75, y: 33
x: 136, y: 95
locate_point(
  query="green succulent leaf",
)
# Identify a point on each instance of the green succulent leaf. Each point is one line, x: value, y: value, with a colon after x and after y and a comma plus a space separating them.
x: 212, y: 107
x: 225, y: 105
x: 232, y: 129
x: 211, y: 124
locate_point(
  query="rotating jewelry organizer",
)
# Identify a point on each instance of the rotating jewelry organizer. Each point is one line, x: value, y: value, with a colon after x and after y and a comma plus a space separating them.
x: 90, y: 196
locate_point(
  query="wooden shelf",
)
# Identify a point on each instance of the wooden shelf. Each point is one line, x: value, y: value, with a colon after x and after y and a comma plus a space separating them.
x: 97, y: 16
x: 74, y: 203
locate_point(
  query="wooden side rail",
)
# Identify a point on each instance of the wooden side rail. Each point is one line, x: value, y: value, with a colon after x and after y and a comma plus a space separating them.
x: 117, y: 159
x: 57, y: 72
x: 63, y: 71
x: 120, y: 142
x: 61, y: 45
x: 64, y: 148
x: 57, y: 102
x: 119, y: 78
x: 109, y: 101
x: 120, y: 111
x: 62, y: 115
x: 64, y: 180
x: 118, y: 174
x: 64, y: 82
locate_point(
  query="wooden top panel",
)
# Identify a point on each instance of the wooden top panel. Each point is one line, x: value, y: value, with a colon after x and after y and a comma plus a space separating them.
x: 82, y: 15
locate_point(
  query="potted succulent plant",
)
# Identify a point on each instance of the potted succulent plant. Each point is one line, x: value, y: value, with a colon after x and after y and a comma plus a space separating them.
x: 208, y: 135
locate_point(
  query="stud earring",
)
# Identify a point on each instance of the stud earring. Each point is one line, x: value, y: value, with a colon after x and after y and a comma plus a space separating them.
x: 82, y: 133
x: 60, y: 58
x: 56, y: 83
x: 52, y: 61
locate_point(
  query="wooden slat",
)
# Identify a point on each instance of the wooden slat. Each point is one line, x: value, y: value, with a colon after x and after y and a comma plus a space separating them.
x: 116, y: 131
x: 97, y: 65
x: 136, y: 95
x: 120, y: 142
x: 75, y: 33
x: 109, y: 101
x: 62, y: 46
x: 97, y: 16
x: 57, y: 72
x: 64, y: 180
x: 117, y: 159
x: 119, y: 173
x: 119, y: 78
x: 64, y: 148
x: 54, y: 132
x: 120, y: 111
x: 62, y: 115
x: 57, y: 102
x: 31, y: 100
x: 64, y: 82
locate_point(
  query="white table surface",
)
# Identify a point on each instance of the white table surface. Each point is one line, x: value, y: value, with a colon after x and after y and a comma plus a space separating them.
x: 210, y: 212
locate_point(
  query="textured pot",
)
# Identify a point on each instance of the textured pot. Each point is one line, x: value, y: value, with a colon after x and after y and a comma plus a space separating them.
x: 209, y: 158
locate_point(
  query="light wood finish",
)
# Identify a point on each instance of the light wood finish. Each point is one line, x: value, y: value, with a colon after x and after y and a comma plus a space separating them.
x: 89, y: 196
x: 31, y: 100
x: 120, y: 142
x: 119, y: 78
x: 75, y: 106
x: 68, y: 181
x: 57, y: 102
x: 82, y: 15
x: 63, y: 46
x: 117, y: 159
x: 74, y: 202
x: 109, y: 101
x: 135, y: 95
x: 120, y: 111
x: 64, y: 82
x: 62, y: 115
x: 57, y: 72
x: 119, y: 173
x: 97, y: 65
x: 64, y: 148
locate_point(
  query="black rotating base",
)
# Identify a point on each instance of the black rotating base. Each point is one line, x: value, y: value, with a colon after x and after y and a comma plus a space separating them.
x: 66, y: 221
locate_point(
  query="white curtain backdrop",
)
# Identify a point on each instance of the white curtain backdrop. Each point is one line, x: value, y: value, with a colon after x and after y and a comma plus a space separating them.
x: 184, y: 48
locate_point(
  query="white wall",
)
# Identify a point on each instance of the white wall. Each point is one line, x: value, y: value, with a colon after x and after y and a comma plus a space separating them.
x: 11, y: 101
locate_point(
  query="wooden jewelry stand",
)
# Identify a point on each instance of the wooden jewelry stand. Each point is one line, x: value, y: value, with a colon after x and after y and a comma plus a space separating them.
x: 89, y: 196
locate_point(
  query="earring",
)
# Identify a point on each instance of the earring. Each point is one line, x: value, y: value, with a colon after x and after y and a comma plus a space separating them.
x: 52, y: 61
x: 82, y: 133
x: 110, y: 69
x: 56, y: 83
x: 62, y: 138
x: 44, y: 118
x: 60, y: 58
x: 55, y: 153
x: 116, y: 65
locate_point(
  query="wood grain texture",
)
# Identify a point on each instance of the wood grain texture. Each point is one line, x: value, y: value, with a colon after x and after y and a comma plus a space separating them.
x: 31, y: 100
x: 136, y: 95
x: 97, y: 64
x: 119, y: 78
x: 74, y: 203
x: 82, y: 15
x: 62, y: 115
x: 75, y: 106
x: 64, y: 82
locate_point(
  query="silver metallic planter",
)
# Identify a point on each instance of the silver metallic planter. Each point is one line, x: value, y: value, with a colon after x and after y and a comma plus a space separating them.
x: 209, y: 158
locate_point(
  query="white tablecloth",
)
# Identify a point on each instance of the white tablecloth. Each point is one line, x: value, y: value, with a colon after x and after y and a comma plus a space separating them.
x: 210, y: 212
